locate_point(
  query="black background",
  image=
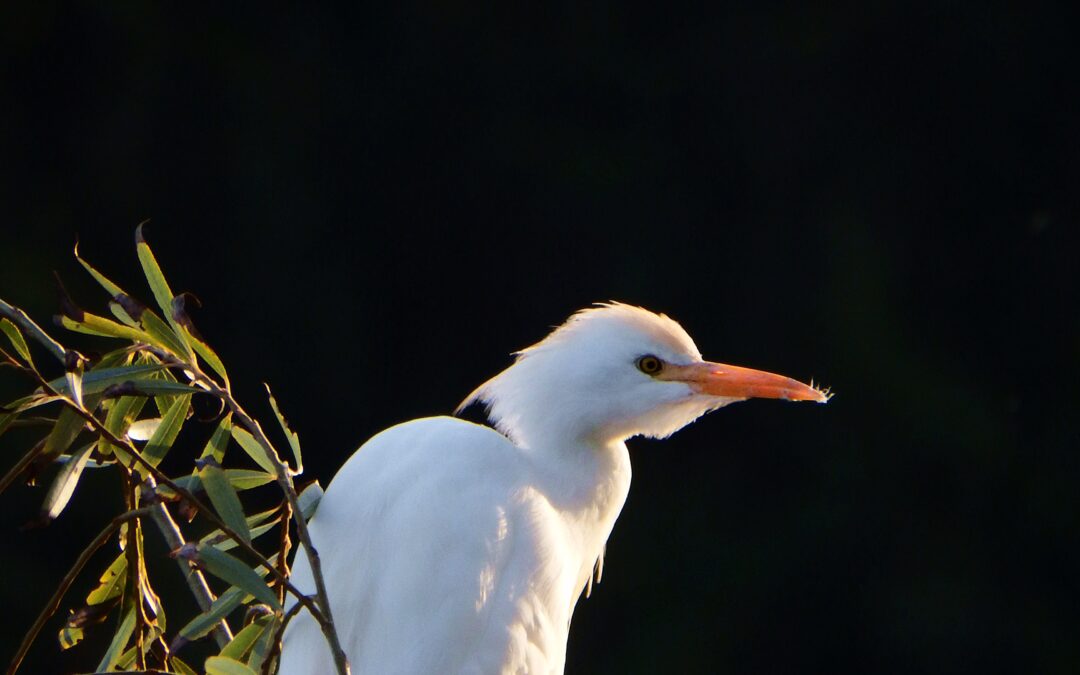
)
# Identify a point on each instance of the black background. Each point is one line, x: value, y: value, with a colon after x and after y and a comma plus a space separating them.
x: 377, y: 204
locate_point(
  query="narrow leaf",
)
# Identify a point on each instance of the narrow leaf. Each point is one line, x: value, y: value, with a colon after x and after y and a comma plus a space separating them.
x: 92, y: 324
x: 241, y: 479
x: 223, y: 497
x: 110, y: 583
x: 166, y: 433
x: 263, y: 645
x: 233, y: 570
x: 202, y: 624
x: 220, y: 665
x: 257, y: 524
x: 308, y: 500
x: 68, y: 426
x: 97, y: 381
x: 219, y: 440
x: 294, y: 440
x: 160, y: 287
x: 253, y: 449
x: 110, y: 287
x: 17, y: 340
x: 164, y: 335
x: 119, y: 641
x: 242, y: 643
x: 63, y: 485
x: 74, y: 379
x: 122, y: 412
x: 180, y: 667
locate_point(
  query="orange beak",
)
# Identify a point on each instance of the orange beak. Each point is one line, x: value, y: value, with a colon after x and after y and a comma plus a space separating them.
x: 718, y: 379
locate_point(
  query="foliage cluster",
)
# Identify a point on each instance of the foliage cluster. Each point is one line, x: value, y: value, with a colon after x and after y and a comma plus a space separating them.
x: 123, y: 411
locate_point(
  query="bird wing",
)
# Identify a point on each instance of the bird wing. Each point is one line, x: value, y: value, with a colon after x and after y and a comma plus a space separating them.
x: 437, y: 558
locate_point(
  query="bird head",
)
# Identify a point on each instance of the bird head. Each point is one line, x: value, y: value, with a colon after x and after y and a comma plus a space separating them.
x: 614, y: 371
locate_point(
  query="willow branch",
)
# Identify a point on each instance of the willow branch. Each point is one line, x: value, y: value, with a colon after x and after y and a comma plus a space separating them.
x: 65, y: 584
x: 204, y: 597
x: 285, y: 481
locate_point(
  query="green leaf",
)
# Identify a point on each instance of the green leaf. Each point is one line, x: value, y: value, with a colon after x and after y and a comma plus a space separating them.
x: 256, y: 524
x: 240, y: 479
x: 309, y: 499
x: 6, y: 420
x: 119, y: 641
x: 74, y: 378
x: 220, y: 665
x: 122, y: 412
x: 236, y: 572
x: 180, y: 667
x: 242, y: 643
x: 223, y: 497
x: 219, y: 440
x: 294, y: 440
x: 68, y: 426
x: 160, y: 287
x: 96, y: 381
x: 164, y: 336
x: 92, y: 324
x: 253, y: 449
x: 63, y: 486
x: 112, y: 289
x: 17, y: 340
x: 166, y: 433
x: 69, y: 636
x: 110, y: 583
x: 263, y: 645
x: 202, y: 624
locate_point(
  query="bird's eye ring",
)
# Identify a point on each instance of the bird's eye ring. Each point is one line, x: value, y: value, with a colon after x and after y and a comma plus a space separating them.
x: 649, y: 364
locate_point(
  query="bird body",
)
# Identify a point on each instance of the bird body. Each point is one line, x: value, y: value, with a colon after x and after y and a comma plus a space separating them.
x: 451, y: 547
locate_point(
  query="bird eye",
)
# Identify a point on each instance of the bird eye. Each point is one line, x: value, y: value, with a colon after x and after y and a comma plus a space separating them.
x: 649, y: 364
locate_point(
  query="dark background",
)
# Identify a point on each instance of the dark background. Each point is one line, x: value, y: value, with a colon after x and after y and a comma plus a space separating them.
x: 376, y: 205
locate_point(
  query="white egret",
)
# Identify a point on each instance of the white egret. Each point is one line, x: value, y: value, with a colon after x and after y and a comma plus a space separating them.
x: 451, y: 547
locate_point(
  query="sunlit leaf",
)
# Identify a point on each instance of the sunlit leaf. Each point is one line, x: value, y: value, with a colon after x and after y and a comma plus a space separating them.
x: 309, y: 499
x: 257, y: 524
x: 294, y: 440
x: 68, y: 426
x: 219, y: 440
x: 202, y: 624
x: 63, y: 485
x: 240, y: 479
x: 122, y: 412
x: 220, y: 665
x: 236, y: 572
x: 119, y: 641
x: 142, y: 430
x: 111, y: 582
x: 253, y: 449
x: 69, y: 636
x: 165, y: 435
x: 96, y: 381
x: 223, y: 497
x: 74, y: 378
x: 17, y: 340
x: 242, y: 643
x: 164, y: 335
x: 112, y: 289
x: 92, y: 324
x: 180, y: 667
x: 263, y: 645
x: 160, y: 287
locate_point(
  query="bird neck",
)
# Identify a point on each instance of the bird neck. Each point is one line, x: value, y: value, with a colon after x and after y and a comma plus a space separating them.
x: 587, y: 480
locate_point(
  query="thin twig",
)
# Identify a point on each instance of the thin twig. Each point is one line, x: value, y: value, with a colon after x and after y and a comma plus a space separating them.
x: 275, y: 646
x: 187, y: 496
x: 285, y: 481
x: 134, y: 533
x: 65, y: 584
x: 204, y: 597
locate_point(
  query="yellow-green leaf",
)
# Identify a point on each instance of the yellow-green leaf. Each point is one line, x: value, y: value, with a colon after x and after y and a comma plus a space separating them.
x: 220, y: 665
x: 180, y: 667
x: 111, y: 582
x: 119, y: 641
x: 17, y: 340
x: 223, y: 497
x: 219, y: 440
x: 63, y: 486
x: 236, y: 572
x: 160, y: 287
x: 92, y: 324
x: 112, y: 289
x: 204, y: 623
x: 253, y: 449
x: 241, y: 644
x: 294, y: 440
x: 166, y: 433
